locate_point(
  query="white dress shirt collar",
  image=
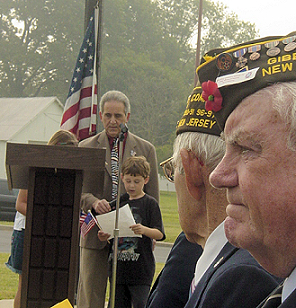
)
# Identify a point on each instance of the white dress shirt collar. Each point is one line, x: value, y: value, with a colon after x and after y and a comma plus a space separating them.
x: 213, y: 246
x: 289, y: 285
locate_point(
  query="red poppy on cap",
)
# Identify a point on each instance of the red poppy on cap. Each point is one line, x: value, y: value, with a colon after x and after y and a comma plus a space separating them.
x: 212, y: 96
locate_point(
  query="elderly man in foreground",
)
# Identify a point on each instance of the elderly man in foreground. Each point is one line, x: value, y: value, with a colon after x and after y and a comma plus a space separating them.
x: 225, y: 276
x: 252, y: 90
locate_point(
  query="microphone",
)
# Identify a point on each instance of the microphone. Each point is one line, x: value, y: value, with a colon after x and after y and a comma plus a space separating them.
x: 123, y: 198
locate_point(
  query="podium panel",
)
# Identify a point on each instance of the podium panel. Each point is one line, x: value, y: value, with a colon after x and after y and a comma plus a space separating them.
x: 51, y: 237
x: 53, y: 176
x: 19, y: 157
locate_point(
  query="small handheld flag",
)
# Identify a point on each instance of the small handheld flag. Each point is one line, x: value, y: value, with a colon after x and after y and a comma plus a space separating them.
x: 88, y: 223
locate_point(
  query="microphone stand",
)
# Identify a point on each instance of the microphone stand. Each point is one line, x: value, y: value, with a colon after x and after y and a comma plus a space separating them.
x: 123, y: 131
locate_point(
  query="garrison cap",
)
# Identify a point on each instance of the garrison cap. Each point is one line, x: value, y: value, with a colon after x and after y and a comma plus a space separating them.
x: 228, y: 75
x: 196, y: 118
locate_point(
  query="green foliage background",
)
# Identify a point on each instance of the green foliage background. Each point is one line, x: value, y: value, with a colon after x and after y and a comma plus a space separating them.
x: 147, y: 52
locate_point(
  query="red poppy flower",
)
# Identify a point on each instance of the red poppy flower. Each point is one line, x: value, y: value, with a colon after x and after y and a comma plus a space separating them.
x: 212, y: 96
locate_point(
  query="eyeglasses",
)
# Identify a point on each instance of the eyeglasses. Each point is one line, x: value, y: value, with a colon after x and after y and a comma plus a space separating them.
x: 168, y: 169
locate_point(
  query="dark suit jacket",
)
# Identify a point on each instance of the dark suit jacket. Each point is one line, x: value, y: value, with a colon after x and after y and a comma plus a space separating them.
x: 234, y: 280
x: 171, y: 287
x: 134, y: 146
x: 290, y: 301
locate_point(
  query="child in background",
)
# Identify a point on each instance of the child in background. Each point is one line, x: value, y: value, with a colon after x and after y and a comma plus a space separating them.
x: 135, y: 259
x: 15, y: 261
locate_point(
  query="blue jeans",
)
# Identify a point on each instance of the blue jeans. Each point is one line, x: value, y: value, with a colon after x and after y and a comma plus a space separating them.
x: 15, y: 260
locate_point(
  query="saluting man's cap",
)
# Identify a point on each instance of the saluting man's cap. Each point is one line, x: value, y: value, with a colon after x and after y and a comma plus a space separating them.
x: 196, y: 118
x: 229, y: 75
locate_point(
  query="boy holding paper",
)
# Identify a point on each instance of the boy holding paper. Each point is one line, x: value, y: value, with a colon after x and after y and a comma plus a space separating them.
x: 135, y: 260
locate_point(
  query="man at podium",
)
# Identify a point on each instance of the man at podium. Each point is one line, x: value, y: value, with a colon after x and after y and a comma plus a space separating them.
x: 114, y: 111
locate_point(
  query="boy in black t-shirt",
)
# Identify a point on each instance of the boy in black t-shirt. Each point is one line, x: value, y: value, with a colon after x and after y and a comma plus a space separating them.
x: 135, y: 259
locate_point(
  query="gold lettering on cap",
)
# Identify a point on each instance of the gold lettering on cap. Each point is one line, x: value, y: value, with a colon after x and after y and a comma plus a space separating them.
x: 276, y: 69
x: 203, y: 112
x: 188, y: 112
x: 181, y: 122
x: 287, y: 66
x: 201, y: 123
x: 205, y: 123
x: 200, y: 112
x: 196, y: 97
x: 279, y: 68
x: 271, y: 61
x: 212, y: 124
x: 284, y: 58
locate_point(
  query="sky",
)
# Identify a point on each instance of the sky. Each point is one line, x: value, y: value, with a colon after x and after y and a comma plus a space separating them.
x: 271, y: 17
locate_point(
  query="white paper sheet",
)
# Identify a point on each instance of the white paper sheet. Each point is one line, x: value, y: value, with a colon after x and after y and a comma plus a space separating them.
x: 126, y: 219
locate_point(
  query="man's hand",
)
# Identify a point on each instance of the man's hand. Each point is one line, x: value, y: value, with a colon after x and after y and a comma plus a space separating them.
x: 103, y: 236
x: 101, y: 206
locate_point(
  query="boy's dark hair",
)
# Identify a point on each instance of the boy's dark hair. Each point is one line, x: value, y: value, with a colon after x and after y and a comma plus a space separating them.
x: 136, y: 165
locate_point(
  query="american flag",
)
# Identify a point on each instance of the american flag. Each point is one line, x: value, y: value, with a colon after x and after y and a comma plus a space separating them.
x: 80, y: 110
x: 88, y: 223
x: 82, y: 218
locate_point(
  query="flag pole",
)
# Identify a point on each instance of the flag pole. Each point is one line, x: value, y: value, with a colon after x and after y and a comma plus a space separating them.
x: 89, y: 6
x: 88, y: 10
x: 124, y: 129
x: 99, y: 58
x: 197, y: 56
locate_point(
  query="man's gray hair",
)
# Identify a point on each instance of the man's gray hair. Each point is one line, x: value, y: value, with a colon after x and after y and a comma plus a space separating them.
x: 209, y: 149
x: 283, y: 98
x: 118, y: 96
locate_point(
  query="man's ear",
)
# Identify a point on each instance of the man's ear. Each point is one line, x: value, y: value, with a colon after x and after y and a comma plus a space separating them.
x: 193, y: 174
x: 101, y: 116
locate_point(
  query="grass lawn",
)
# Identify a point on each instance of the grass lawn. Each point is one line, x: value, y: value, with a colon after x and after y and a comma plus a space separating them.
x: 169, y: 210
x: 8, y: 281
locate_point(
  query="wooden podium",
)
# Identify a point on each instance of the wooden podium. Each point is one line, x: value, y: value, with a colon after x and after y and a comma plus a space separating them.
x: 55, y: 176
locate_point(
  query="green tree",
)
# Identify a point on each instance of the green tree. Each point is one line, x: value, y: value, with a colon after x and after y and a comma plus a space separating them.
x: 220, y: 26
x: 145, y: 64
x: 147, y: 53
x: 39, y: 43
